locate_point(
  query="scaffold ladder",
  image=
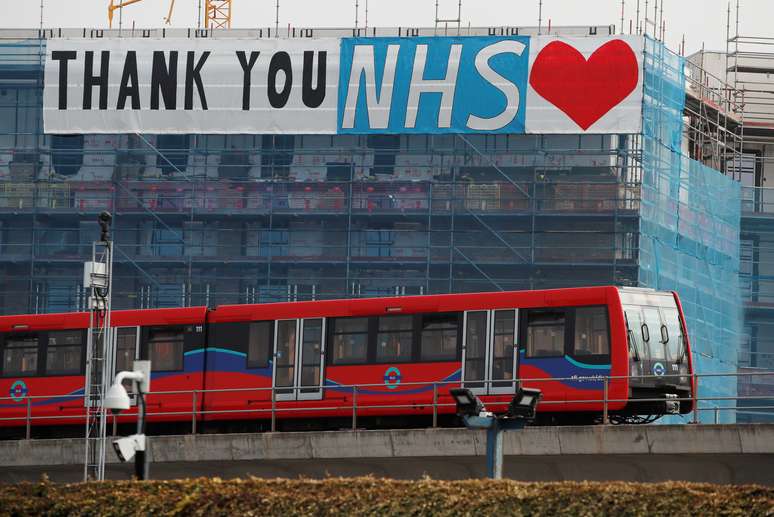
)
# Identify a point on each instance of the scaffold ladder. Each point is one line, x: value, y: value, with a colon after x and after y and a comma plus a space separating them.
x: 99, y: 356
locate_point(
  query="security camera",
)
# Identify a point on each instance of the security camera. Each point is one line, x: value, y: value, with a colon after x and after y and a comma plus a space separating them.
x: 104, y: 224
x: 127, y: 447
x: 117, y: 399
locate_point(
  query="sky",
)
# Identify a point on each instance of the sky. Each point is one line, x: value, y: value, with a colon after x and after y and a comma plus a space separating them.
x: 701, y: 21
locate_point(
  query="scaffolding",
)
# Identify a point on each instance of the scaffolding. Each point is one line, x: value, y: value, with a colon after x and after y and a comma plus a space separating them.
x: 690, y: 223
x: 749, y: 65
x: 216, y: 219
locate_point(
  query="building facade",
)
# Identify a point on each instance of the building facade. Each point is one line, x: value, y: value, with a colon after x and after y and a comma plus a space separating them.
x: 209, y: 219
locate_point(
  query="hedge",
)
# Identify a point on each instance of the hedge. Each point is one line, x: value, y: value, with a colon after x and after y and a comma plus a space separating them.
x: 372, y: 496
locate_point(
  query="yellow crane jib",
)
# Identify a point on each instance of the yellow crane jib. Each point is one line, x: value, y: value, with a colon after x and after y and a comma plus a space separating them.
x: 121, y: 4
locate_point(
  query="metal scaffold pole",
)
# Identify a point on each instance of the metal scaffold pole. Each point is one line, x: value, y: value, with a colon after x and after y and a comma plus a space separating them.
x: 98, y: 274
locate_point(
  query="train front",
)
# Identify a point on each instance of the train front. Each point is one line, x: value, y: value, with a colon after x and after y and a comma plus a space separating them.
x: 660, y: 368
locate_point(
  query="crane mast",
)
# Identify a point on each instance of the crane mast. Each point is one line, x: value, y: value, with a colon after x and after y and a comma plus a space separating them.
x: 218, y: 14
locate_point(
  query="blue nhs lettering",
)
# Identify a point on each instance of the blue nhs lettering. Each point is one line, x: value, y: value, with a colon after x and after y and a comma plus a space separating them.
x: 433, y: 85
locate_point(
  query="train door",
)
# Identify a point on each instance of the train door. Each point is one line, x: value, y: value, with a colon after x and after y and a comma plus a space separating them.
x: 299, y: 351
x: 490, y: 351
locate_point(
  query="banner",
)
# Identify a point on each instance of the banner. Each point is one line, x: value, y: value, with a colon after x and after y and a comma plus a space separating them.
x: 428, y: 85
x: 591, y: 85
x: 128, y: 85
x: 433, y: 85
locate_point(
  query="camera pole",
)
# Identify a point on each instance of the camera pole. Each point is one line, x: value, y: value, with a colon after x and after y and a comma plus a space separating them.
x: 141, y: 467
x: 97, y: 278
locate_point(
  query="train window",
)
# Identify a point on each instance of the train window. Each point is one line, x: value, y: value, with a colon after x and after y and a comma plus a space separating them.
x: 475, y: 347
x: 439, y: 337
x: 64, y: 352
x: 673, y: 332
x: 285, y: 366
x: 394, y: 339
x: 634, y: 323
x: 591, y: 331
x: 545, y: 333
x: 653, y: 322
x: 166, y: 349
x: 126, y: 352
x: 350, y: 341
x: 126, y: 348
x: 20, y: 355
x: 259, y: 344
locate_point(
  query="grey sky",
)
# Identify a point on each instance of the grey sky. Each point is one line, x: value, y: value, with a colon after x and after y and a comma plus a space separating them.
x: 702, y: 21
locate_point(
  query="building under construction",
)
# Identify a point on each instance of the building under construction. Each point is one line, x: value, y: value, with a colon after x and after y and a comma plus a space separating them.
x: 209, y: 219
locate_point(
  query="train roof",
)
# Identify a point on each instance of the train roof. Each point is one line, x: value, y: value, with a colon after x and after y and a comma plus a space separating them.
x: 415, y: 304
x: 80, y: 320
x: 334, y: 308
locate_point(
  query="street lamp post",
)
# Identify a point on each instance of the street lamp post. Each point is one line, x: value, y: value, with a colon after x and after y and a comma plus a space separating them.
x: 473, y: 412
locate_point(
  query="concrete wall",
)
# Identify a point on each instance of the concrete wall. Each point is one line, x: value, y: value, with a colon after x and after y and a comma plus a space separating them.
x: 723, y: 454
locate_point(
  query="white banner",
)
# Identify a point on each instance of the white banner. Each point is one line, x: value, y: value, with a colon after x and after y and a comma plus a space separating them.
x: 191, y: 86
x: 425, y: 85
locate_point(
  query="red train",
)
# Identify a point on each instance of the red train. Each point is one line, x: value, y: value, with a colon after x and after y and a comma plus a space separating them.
x: 403, y: 353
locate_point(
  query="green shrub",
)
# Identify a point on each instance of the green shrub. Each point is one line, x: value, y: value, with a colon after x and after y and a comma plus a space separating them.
x: 372, y: 496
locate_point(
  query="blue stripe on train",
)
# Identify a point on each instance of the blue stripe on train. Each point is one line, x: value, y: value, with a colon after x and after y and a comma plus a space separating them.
x: 581, y: 376
x: 222, y: 360
x: 336, y: 386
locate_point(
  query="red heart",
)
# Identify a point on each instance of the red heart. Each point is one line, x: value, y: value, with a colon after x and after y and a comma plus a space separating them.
x: 585, y: 90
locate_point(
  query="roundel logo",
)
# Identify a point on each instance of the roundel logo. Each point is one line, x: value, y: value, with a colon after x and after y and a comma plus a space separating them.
x: 659, y: 369
x: 392, y: 377
x: 18, y: 391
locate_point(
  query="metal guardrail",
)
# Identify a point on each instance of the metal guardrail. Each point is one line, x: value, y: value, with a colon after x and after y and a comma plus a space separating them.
x: 758, y: 200
x: 400, y: 196
x: 351, y: 404
x: 290, y: 31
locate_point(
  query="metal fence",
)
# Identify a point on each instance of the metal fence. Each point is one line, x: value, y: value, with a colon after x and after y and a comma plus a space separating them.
x: 756, y: 399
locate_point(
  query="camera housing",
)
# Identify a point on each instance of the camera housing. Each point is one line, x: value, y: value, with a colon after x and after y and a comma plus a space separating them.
x: 104, y: 221
x: 127, y: 447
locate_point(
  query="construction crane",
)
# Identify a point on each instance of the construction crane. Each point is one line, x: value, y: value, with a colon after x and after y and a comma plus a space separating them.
x: 125, y: 3
x: 217, y: 13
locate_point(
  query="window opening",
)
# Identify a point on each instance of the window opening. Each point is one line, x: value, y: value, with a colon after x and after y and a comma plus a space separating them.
x: 126, y: 352
x: 675, y: 344
x: 475, y: 348
x: 286, y: 354
x: 259, y: 344
x: 166, y: 350
x: 350, y: 340
x: 394, y: 338
x: 20, y: 355
x: 174, y: 149
x: 64, y: 352
x: 591, y: 335
x: 439, y: 337
x: 545, y: 333
x: 653, y: 322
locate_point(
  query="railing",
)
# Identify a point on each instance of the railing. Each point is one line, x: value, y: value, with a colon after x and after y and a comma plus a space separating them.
x: 758, y: 200
x: 762, y: 404
x: 202, y: 197
x: 301, y: 32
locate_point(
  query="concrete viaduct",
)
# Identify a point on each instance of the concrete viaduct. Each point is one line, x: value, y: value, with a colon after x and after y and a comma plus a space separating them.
x: 706, y: 453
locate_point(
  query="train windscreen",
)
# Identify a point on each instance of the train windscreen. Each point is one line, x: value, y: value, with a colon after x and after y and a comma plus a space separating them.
x: 655, y: 332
